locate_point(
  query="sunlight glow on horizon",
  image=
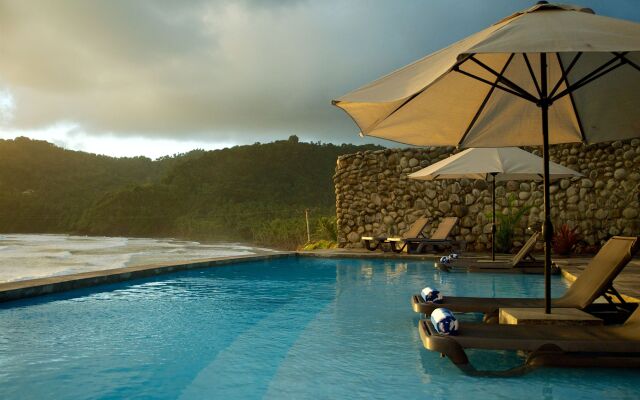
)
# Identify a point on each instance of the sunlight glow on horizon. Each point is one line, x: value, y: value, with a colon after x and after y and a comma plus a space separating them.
x: 68, y: 136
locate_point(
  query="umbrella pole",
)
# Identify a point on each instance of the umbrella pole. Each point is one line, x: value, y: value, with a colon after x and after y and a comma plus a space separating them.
x: 493, y: 215
x: 547, y: 228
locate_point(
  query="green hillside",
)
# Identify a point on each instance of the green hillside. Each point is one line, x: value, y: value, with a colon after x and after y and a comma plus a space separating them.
x: 45, y: 188
x: 256, y: 193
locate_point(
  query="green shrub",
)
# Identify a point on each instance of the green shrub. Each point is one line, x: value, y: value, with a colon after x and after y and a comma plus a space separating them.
x: 319, y: 244
x: 327, y: 228
x: 507, y: 222
x: 288, y: 233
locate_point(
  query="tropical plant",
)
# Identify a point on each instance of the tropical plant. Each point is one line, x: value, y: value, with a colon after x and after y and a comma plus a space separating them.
x: 319, y: 244
x: 507, y: 222
x: 565, y: 240
x: 327, y: 228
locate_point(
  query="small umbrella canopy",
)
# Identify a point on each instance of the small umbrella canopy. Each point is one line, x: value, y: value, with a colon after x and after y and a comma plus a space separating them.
x: 493, y: 164
x: 505, y: 163
x: 550, y: 74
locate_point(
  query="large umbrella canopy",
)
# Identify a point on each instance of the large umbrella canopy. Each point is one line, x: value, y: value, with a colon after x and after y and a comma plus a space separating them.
x: 435, y: 101
x: 493, y: 164
x: 549, y: 74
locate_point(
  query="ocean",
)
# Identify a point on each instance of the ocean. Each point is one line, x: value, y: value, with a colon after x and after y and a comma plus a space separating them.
x: 29, y: 256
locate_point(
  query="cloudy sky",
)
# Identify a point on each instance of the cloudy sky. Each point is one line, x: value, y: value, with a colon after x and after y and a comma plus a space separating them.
x: 124, y: 77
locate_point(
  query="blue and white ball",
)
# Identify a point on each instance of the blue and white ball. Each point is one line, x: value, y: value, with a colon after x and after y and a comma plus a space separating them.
x: 444, y: 321
x: 431, y: 295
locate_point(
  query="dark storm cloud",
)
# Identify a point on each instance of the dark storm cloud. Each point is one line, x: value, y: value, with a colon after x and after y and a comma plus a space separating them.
x: 220, y: 70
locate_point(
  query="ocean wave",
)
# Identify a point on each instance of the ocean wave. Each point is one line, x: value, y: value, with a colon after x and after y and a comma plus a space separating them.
x: 27, y: 256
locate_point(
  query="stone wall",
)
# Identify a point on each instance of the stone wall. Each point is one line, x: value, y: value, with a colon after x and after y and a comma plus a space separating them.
x: 375, y: 196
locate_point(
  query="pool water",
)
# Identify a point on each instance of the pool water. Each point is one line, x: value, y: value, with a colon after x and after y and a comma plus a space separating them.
x: 286, y: 328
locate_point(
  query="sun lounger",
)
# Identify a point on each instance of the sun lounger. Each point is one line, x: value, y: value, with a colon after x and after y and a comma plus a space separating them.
x: 595, y: 281
x: 547, y: 345
x: 415, y: 231
x: 522, y: 262
x: 438, y: 241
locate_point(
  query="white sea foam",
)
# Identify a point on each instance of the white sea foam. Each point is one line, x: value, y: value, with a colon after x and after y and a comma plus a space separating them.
x: 36, y: 256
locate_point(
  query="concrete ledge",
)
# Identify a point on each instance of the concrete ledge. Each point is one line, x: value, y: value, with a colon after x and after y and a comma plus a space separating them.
x: 36, y: 287
x: 351, y: 253
x: 17, y: 290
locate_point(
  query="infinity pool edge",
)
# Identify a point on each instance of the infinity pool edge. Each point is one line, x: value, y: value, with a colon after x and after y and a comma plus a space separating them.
x: 17, y: 290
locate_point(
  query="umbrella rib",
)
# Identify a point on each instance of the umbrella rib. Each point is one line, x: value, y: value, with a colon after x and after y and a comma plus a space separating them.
x: 488, y: 82
x: 565, y: 78
x: 565, y: 73
x: 413, y: 96
x: 506, y: 81
x: 533, y: 76
x: 622, y: 56
x: 485, y: 100
x: 593, y: 75
x: 404, y: 103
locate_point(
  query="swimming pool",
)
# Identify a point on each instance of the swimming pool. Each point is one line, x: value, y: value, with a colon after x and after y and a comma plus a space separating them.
x: 283, y: 328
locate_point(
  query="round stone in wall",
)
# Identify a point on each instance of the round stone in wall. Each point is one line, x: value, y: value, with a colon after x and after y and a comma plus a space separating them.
x: 524, y: 195
x: 630, y: 213
x: 620, y: 173
x: 444, y: 206
x: 353, y: 237
x: 586, y: 183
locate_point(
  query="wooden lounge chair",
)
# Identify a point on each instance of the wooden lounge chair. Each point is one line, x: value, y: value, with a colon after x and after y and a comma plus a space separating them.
x: 439, y: 240
x: 415, y: 231
x: 595, y: 281
x: 547, y: 345
x: 522, y: 262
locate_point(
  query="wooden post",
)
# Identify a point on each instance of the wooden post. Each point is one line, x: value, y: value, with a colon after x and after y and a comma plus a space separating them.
x: 306, y: 217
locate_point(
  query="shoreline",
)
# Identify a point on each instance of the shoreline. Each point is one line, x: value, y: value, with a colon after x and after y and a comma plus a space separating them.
x: 30, y: 256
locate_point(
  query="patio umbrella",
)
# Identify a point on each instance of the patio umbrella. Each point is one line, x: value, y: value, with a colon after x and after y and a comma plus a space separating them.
x: 549, y: 74
x: 493, y: 164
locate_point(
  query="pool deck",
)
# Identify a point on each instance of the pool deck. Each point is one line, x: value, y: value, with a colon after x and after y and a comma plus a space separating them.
x: 627, y: 283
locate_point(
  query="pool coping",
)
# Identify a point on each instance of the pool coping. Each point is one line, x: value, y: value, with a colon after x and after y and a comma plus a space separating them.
x: 17, y: 290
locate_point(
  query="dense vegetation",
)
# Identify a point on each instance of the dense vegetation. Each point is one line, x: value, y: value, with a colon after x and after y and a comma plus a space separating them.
x: 256, y: 193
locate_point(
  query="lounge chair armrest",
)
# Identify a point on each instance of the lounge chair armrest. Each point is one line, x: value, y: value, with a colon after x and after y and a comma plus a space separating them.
x: 446, y: 345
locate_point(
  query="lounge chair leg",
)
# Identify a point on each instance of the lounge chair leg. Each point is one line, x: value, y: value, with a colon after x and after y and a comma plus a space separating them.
x: 367, y: 245
x: 468, y: 369
x: 396, y: 249
x: 617, y: 294
x: 512, y: 372
x: 490, y: 318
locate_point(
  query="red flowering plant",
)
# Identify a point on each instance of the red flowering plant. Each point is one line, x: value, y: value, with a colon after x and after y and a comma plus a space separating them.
x: 565, y: 240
